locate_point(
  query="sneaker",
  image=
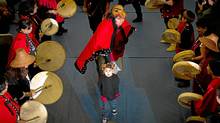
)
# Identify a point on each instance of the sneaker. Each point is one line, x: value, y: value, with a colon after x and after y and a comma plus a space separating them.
x: 138, y: 19
x: 59, y: 33
x: 114, y: 112
x: 63, y: 30
x: 104, y: 120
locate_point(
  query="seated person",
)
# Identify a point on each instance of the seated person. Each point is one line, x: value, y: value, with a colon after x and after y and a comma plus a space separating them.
x: 208, y: 104
x: 9, y: 112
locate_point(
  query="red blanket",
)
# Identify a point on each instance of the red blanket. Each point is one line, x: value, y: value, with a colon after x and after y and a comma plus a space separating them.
x: 100, y: 42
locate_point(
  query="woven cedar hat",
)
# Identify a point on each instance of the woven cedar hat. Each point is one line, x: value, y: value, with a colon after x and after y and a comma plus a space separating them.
x: 186, y: 70
x: 186, y: 98
x: 210, y: 42
x: 22, y: 59
x: 118, y: 10
x: 183, y: 56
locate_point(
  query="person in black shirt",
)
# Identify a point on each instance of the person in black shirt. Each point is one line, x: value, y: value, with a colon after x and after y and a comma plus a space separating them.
x: 109, y: 88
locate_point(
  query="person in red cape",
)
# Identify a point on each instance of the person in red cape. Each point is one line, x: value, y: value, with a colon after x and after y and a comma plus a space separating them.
x: 47, y: 8
x: 9, y: 112
x: 108, y: 40
x: 208, y: 104
x: 24, y: 39
x: 28, y: 10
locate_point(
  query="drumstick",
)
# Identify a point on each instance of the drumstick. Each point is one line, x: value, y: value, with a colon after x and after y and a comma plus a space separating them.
x: 42, y: 88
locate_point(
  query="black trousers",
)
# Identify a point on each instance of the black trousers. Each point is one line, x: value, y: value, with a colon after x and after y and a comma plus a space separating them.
x: 136, y: 4
x: 94, y: 20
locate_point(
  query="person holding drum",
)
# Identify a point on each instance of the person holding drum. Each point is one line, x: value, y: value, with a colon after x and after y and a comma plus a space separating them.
x: 9, y: 112
x: 201, y: 28
x: 199, y: 83
x: 171, y: 9
x: 115, y: 28
x: 48, y: 9
x: 24, y: 39
x: 208, y: 104
x: 28, y: 10
x: 186, y: 30
x: 209, y: 51
x: 18, y: 78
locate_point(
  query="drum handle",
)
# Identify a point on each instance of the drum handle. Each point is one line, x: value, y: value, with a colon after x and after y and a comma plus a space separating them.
x: 48, y: 27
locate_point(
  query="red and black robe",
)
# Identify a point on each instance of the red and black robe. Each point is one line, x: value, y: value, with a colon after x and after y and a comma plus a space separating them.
x: 105, y: 40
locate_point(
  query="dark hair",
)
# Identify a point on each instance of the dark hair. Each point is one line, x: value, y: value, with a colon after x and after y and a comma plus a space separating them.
x: 190, y: 16
x: 202, y: 22
x: 26, y: 7
x: 215, y: 67
x: 23, y: 24
x: 14, y: 74
x: 107, y: 65
x: 2, y: 83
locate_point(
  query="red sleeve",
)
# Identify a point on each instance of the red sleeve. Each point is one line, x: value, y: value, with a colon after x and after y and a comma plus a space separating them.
x: 5, y: 115
x: 121, y: 39
x: 202, y: 104
x: 208, y: 103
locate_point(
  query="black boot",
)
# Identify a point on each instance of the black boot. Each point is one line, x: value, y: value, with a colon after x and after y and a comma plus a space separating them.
x: 137, y: 8
x: 138, y: 19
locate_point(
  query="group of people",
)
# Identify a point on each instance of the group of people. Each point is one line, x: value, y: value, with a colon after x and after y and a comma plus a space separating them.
x: 20, y: 66
x: 106, y: 46
x: 206, y: 49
